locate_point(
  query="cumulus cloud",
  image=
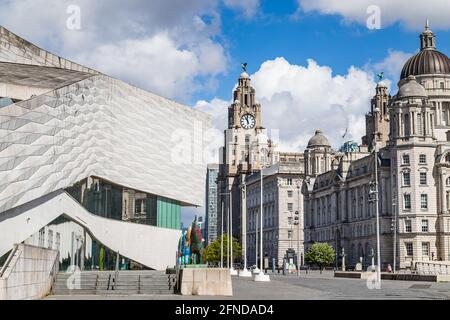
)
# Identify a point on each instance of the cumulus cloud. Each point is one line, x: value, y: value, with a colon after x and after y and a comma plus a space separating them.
x: 249, y: 8
x: 138, y: 41
x: 297, y: 100
x: 392, y: 66
x: 411, y: 14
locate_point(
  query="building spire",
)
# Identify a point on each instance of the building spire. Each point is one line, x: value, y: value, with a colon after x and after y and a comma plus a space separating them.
x: 427, y: 38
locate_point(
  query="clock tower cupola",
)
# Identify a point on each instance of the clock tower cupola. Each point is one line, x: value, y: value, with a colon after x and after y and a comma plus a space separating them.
x: 244, y: 112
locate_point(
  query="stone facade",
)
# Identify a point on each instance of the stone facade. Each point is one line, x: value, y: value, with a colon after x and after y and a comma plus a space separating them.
x: 282, y: 199
x: 412, y: 133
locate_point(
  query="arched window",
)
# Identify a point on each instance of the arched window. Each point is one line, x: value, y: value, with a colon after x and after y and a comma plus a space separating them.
x: 447, y: 182
x: 447, y: 158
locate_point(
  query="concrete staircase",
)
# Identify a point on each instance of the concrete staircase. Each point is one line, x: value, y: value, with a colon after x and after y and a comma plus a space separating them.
x: 102, y: 283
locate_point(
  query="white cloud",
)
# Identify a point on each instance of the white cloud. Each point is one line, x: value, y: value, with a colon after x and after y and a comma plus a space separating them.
x: 157, y: 63
x: 411, y: 14
x: 297, y: 100
x: 218, y: 108
x: 393, y: 64
x: 248, y: 8
x: 138, y: 41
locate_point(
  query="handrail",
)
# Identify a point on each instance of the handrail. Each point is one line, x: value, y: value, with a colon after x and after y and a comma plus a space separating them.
x: 177, y: 278
x: 55, y: 269
x: 109, y: 282
x: 8, y: 260
x: 432, y: 268
x: 116, y: 273
x: 139, y: 284
x: 96, y: 281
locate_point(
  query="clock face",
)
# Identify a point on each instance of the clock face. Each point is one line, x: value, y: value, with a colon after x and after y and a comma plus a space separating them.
x: 248, y: 121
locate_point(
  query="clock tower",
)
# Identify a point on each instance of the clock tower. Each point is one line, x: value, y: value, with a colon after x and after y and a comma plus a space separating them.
x: 245, y: 146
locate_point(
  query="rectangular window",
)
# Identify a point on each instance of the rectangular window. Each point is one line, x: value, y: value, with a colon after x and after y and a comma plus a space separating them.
x: 58, y: 241
x: 423, y: 178
x: 424, y: 201
x: 50, y: 239
x: 408, y: 226
x: 289, y: 181
x: 41, y: 238
x: 423, y: 159
x: 425, y: 249
x: 424, y: 225
x: 406, y: 179
x: 409, y: 249
x: 419, y: 124
x: 407, y: 201
x: 290, y: 206
x: 405, y: 159
x: 290, y: 194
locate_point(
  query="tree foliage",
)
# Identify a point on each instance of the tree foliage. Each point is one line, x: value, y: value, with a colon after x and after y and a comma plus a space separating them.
x: 320, y: 254
x: 212, y: 252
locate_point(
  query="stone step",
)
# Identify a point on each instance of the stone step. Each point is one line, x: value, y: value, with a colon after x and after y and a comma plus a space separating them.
x: 129, y: 283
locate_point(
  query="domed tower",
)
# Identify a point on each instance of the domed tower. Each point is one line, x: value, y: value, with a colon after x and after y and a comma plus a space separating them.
x: 432, y: 70
x: 318, y: 155
x: 412, y: 116
x: 413, y: 151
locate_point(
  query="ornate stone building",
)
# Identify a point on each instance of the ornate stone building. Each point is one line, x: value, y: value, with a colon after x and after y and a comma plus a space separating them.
x: 412, y: 130
x: 282, y: 205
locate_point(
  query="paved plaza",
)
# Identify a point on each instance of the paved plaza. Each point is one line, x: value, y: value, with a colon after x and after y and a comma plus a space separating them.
x: 311, y: 286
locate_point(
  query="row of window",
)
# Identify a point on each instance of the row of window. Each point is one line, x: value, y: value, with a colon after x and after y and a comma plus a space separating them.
x: 406, y: 159
x: 424, y: 226
x: 41, y: 239
x: 407, y: 201
x: 410, y: 249
x: 407, y: 178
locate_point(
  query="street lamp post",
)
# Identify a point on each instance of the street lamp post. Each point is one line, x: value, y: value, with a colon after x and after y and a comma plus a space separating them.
x: 244, y: 272
x: 375, y: 192
x: 228, y: 231
x: 292, y: 229
x: 261, y: 276
x: 256, y: 270
x: 233, y: 271
x: 221, y: 240
x: 297, y: 223
x: 394, y: 202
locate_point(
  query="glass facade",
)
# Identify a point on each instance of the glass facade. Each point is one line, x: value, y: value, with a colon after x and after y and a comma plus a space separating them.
x: 77, y: 247
x: 168, y: 213
x: 115, y: 202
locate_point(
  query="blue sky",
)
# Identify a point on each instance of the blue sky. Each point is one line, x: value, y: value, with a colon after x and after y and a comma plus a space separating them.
x: 325, y: 38
x: 314, y: 60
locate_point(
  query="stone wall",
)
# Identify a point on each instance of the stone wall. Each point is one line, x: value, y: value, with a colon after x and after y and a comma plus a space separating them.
x: 28, y: 273
x: 205, y: 282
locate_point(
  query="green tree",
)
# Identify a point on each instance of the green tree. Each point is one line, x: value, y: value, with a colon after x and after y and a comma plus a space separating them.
x: 212, y: 252
x: 320, y: 254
